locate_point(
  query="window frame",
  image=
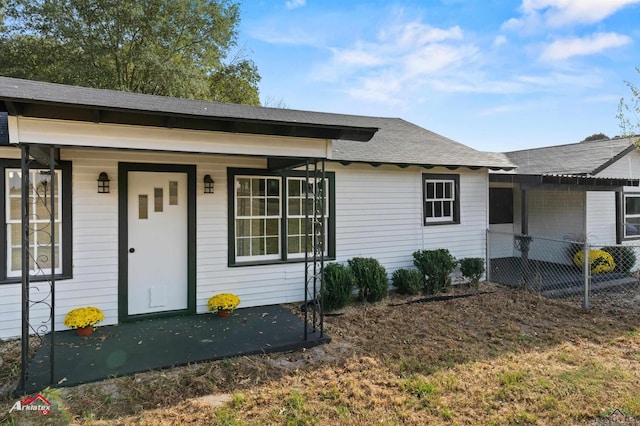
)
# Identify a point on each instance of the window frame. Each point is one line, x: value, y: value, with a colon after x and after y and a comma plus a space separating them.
x: 622, y: 217
x: 66, y: 239
x: 284, y: 256
x: 441, y: 178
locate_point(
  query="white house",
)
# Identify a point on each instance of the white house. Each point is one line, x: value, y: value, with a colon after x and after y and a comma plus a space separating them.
x: 206, y: 198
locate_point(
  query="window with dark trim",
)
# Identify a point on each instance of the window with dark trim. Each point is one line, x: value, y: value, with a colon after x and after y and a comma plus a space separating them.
x: 630, y: 226
x: 500, y: 205
x: 441, y: 198
x: 267, y: 216
x: 40, y: 226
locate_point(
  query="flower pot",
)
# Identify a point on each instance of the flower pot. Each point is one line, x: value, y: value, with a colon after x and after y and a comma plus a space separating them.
x: 224, y: 313
x: 84, y: 331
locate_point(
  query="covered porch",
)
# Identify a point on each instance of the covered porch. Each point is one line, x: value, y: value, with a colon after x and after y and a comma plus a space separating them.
x: 158, y: 343
x: 156, y: 211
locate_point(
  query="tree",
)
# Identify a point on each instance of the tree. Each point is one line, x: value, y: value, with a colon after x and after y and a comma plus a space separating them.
x: 596, y: 137
x: 629, y: 113
x: 163, y: 47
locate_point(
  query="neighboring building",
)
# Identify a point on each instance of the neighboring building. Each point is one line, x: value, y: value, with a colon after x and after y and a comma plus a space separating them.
x: 160, y: 242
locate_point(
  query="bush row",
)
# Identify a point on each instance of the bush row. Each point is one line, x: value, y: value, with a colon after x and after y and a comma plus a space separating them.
x: 369, y: 277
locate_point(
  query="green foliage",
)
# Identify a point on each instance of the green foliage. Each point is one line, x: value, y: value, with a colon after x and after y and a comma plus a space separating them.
x: 629, y: 111
x: 435, y: 266
x: 371, y: 278
x: 624, y: 257
x: 472, y: 269
x: 596, y: 137
x: 162, y: 47
x: 407, y: 281
x: 337, y: 287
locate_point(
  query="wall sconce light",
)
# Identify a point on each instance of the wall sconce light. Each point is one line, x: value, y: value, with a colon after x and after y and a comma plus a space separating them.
x: 103, y: 183
x: 208, y: 184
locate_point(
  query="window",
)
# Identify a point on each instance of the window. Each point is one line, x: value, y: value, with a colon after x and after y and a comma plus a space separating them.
x: 500, y: 205
x: 297, y: 225
x: 268, y: 216
x: 441, y: 199
x: 258, y: 215
x: 631, y: 228
x: 40, y: 247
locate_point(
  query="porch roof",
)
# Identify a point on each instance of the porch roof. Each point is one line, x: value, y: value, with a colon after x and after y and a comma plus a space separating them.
x: 49, y: 100
x: 585, y: 183
x: 390, y: 140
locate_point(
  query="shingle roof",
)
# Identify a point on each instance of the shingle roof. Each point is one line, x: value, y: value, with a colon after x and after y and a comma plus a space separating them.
x: 401, y: 142
x: 395, y: 142
x: 584, y: 158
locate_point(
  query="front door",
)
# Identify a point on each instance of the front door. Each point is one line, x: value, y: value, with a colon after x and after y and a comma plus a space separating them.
x: 157, y: 234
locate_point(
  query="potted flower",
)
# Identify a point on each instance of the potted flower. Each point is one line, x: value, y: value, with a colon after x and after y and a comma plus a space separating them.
x: 223, y: 304
x: 84, y: 319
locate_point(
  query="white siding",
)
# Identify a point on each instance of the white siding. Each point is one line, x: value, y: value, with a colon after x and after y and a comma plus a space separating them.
x: 601, y: 207
x: 556, y: 215
x: 601, y: 217
x: 379, y: 214
x: 627, y: 167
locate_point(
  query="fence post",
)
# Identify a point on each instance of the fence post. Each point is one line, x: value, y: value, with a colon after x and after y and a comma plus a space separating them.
x: 585, y: 303
x: 488, y: 255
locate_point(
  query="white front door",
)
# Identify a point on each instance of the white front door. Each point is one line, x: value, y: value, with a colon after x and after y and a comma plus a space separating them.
x: 158, y: 242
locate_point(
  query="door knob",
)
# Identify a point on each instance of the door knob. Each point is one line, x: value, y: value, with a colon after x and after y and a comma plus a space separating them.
x: 132, y: 250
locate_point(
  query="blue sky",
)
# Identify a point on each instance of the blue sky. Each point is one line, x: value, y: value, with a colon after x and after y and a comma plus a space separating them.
x: 497, y: 75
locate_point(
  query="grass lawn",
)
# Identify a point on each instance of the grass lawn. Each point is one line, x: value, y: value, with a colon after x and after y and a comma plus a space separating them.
x: 501, y: 357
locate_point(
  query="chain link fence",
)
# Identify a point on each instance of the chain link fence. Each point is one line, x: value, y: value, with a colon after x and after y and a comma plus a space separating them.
x: 609, y: 276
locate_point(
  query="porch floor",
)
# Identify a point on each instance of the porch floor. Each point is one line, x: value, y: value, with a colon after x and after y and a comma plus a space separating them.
x: 554, y: 280
x: 152, y: 344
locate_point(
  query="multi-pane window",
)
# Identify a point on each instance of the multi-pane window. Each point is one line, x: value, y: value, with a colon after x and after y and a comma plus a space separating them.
x: 40, y: 230
x: 441, y: 204
x: 300, y: 202
x: 269, y: 217
x: 631, y: 227
x: 258, y: 214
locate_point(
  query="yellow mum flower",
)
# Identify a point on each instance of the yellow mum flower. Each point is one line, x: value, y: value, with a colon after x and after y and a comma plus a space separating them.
x: 83, y: 317
x: 599, y: 261
x: 223, y: 302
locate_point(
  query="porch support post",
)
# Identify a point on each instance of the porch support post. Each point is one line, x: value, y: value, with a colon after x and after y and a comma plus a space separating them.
x: 52, y: 278
x: 314, y: 206
x: 524, y: 212
x: 24, y: 169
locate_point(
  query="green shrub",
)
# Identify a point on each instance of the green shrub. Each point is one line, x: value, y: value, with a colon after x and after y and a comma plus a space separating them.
x: 371, y: 278
x: 337, y: 288
x: 472, y: 269
x: 435, y: 266
x: 407, y: 281
x: 624, y: 257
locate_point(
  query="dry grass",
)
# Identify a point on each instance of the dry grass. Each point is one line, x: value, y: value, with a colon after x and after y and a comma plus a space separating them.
x: 503, y: 357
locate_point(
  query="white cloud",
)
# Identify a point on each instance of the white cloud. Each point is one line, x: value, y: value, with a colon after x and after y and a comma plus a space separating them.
x: 595, y: 43
x: 293, y: 4
x: 403, y: 56
x: 500, y: 41
x: 538, y: 14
